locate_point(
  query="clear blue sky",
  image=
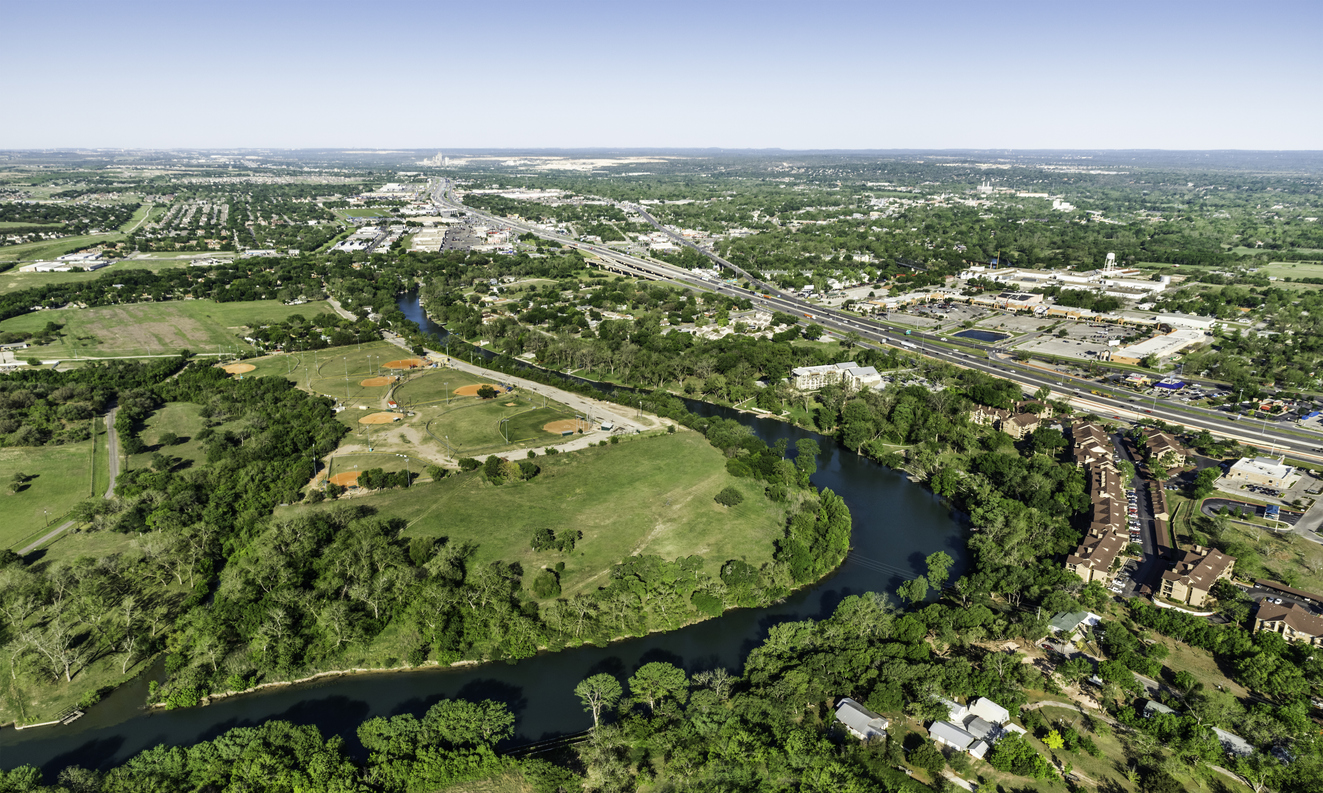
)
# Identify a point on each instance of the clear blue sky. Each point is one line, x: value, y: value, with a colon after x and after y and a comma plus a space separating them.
x: 447, y: 75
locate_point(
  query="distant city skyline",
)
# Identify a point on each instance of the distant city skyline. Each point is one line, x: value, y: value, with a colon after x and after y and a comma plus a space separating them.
x: 835, y: 75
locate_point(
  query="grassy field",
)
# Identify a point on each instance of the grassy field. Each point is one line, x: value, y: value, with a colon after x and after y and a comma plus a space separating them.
x: 155, y: 328
x: 49, y: 249
x: 1293, y: 270
x: 1284, y: 557
x: 183, y: 420
x: 14, y: 281
x: 61, y: 476
x: 649, y: 495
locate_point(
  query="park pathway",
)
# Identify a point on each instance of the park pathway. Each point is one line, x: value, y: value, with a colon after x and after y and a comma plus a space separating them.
x: 112, y: 447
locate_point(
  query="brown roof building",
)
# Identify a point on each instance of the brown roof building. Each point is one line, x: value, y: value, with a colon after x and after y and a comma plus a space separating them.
x: 1090, y: 443
x: 1093, y: 559
x: 1293, y: 622
x: 1162, y: 445
x: 1192, y: 576
x: 1107, y: 535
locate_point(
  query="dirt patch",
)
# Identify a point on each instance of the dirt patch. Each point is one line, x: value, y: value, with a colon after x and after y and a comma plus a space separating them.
x: 405, y: 363
x: 472, y: 390
x: 347, y: 479
x: 511, y: 404
x: 373, y: 382
x: 239, y: 368
x: 561, y: 426
x: 380, y: 418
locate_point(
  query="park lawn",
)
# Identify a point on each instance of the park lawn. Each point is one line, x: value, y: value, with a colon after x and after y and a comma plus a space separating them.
x: 61, y: 477
x: 164, y: 328
x: 649, y: 495
x: 1293, y: 270
x: 183, y: 420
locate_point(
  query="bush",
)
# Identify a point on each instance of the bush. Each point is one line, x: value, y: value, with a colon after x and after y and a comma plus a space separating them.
x: 468, y: 464
x: 546, y: 585
x: 729, y: 497
x: 929, y: 758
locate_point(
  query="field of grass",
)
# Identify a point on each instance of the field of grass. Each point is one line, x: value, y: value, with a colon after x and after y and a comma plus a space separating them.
x: 1293, y: 270
x: 650, y: 495
x: 183, y: 420
x: 437, y: 386
x: 60, y: 477
x: 14, y: 281
x: 473, y: 426
x: 49, y: 249
x: 1284, y: 557
x: 155, y: 328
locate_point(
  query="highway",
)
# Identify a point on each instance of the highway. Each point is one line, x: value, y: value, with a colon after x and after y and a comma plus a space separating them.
x: 985, y: 358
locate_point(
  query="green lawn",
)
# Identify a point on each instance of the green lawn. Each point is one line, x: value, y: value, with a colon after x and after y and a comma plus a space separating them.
x: 155, y: 328
x: 1293, y: 270
x: 183, y: 420
x: 60, y: 477
x: 650, y: 495
x: 438, y: 386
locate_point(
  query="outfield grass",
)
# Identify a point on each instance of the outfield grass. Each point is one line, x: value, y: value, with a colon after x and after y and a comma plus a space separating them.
x: 438, y: 386
x: 651, y: 495
x: 61, y: 477
x: 155, y: 328
x: 473, y: 426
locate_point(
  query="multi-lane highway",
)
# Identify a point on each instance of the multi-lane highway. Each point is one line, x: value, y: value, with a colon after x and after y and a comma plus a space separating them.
x: 984, y: 358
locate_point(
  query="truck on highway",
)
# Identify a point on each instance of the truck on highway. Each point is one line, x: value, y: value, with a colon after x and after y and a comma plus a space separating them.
x: 810, y: 316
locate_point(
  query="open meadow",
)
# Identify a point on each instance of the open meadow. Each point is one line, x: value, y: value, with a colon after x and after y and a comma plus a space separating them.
x: 58, y: 477
x: 155, y: 328
x: 647, y: 495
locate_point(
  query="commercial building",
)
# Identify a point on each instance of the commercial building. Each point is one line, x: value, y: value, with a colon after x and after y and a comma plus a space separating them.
x: 1159, y: 346
x: 811, y: 378
x: 1294, y: 622
x: 1266, y: 471
x: 1193, y: 575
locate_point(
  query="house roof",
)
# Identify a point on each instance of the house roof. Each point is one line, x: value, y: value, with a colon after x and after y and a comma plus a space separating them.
x: 951, y: 734
x: 1297, y: 618
x: 1199, y: 568
x: 987, y: 709
x: 1068, y: 621
x: 1232, y: 743
x: 859, y: 718
x: 1152, y: 706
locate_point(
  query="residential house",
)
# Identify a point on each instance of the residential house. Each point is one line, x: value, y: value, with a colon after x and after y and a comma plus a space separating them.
x: 860, y: 721
x: 972, y: 729
x: 1193, y: 575
x: 1153, y: 708
x: 1073, y: 624
x: 1093, y: 559
x: 1294, y: 622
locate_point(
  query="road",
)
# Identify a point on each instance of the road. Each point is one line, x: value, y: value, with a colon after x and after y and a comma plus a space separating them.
x: 989, y: 359
x: 112, y: 446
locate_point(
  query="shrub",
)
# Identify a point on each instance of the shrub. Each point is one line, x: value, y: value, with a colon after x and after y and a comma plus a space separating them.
x: 546, y: 585
x: 468, y: 464
x: 729, y: 497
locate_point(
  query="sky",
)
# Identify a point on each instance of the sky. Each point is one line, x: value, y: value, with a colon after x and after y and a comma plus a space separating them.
x: 824, y: 75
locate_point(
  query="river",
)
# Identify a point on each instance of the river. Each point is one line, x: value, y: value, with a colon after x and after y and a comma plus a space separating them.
x: 896, y: 525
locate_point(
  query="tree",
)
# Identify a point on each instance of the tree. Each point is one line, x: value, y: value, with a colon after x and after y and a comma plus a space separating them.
x: 657, y: 681
x: 813, y: 332
x: 487, y: 392
x: 929, y: 758
x: 806, y: 460
x: 939, y: 569
x: 1053, y: 740
x: 729, y: 497
x: 598, y: 693
x: 914, y: 590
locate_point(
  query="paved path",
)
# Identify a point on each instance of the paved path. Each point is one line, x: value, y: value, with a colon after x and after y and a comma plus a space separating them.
x: 112, y: 443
